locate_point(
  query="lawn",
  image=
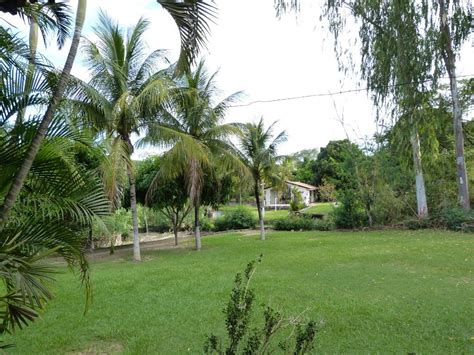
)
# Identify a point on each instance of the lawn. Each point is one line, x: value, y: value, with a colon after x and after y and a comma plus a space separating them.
x: 389, y: 292
x: 322, y: 207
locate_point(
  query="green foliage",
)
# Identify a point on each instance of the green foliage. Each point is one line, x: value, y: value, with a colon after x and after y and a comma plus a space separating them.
x: 256, y: 341
x: 296, y: 202
x: 327, y: 191
x: 238, y: 218
x: 330, y: 166
x: 302, y: 222
x: 456, y: 219
x: 350, y: 212
x: 59, y: 201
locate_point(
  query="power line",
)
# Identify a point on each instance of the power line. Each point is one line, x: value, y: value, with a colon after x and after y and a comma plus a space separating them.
x: 341, y: 92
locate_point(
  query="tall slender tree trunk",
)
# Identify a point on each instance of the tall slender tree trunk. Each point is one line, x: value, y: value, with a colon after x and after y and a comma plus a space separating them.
x: 33, y: 44
x: 175, y: 228
x: 20, y: 176
x: 197, y: 227
x: 450, y: 62
x: 133, y: 207
x: 259, y: 209
x: 419, y: 179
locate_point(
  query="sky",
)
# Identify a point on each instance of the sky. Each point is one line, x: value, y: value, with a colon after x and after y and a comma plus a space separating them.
x: 265, y: 57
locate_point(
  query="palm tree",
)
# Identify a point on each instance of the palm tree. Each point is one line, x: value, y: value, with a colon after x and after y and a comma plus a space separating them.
x: 192, y: 124
x: 126, y: 87
x: 59, y: 201
x: 259, y: 152
x: 29, y: 157
x: 192, y: 19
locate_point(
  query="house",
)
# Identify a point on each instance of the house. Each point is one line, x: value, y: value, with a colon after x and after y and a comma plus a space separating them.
x: 276, y: 198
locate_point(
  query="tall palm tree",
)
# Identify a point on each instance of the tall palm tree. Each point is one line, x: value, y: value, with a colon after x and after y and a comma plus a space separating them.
x: 191, y: 123
x: 59, y: 202
x: 126, y: 87
x: 259, y: 152
x: 192, y: 19
x: 30, y: 154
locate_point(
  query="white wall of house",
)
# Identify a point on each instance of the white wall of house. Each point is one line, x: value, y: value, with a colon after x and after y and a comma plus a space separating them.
x: 272, y: 198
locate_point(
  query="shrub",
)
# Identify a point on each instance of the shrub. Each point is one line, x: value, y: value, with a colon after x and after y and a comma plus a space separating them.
x: 416, y: 223
x: 455, y: 219
x: 206, y: 223
x: 302, y: 222
x: 327, y: 191
x: 296, y: 202
x: 239, y: 218
x: 242, y: 335
x: 350, y: 213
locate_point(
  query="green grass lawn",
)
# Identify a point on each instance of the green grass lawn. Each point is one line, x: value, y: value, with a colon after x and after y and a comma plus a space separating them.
x: 387, y: 292
x: 322, y: 207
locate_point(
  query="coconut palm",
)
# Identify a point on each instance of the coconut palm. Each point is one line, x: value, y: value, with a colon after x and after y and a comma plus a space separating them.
x: 259, y: 152
x: 191, y: 123
x: 20, y: 176
x: 59, y: 202
x: 125, y: 88
x: 192, y: 19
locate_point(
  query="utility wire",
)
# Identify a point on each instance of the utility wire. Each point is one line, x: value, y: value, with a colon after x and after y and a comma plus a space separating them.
x: 342, y: 92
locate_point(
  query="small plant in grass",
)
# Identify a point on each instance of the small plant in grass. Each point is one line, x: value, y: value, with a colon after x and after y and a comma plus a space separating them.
x: 242, y: 339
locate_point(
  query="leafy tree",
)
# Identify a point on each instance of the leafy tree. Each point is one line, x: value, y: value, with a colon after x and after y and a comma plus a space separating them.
x: 330, y: 166
x: 191, y: 123
x: 161, y: 193
x: 406, y: 46
x: 258, y: 147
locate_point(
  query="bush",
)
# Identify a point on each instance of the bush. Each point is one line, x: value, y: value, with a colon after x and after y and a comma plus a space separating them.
x: 239, y: 218
x: 296, y: 202
x: 302, y: 222
x: 455, y: 219
x: 243, y: 337
x: 350, y: 214
x: 206, y: 223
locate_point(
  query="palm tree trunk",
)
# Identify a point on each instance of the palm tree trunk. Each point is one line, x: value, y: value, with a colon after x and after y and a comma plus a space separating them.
x: 33, y: 44
x: 197, y: 228
x: 260, y: 210
x: 175, y: 228
x: 450, y: 63
x: 420, y: 181
x: 133, y: 207
x: 20, y: 175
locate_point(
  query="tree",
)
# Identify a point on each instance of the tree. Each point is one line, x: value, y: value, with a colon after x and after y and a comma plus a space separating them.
x: 59, y: 202
x: 191, y: 124
x: 125, y: 87
x: 158, y: 192
x: 405, y: 46
x: 27, y: 162
x: 191, y: 18
x: 331, y: 164
x: 258, y: 147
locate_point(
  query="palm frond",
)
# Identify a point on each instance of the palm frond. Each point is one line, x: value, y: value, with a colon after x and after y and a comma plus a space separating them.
x: 193, y: 18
